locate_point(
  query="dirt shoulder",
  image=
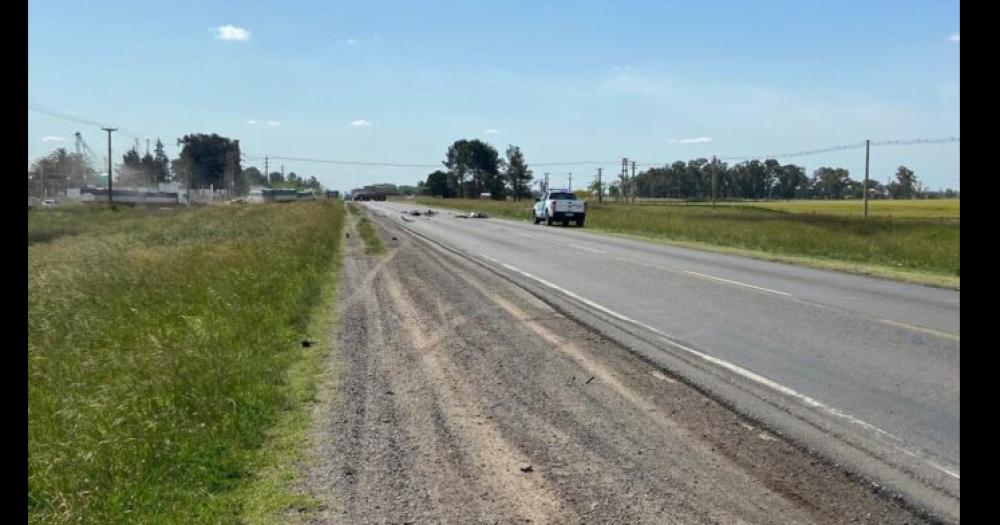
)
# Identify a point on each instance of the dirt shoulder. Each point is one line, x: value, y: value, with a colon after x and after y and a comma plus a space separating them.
x: 462, y: 398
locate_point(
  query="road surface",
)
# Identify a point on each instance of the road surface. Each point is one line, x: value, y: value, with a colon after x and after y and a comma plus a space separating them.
x: 869, y: 362
x: 457, y: 396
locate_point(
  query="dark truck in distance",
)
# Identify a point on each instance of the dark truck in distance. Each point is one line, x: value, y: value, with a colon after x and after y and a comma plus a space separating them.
x: 559, y: 206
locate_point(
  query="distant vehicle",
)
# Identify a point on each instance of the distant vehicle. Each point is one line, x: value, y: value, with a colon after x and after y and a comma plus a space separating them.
x: 559, y: 206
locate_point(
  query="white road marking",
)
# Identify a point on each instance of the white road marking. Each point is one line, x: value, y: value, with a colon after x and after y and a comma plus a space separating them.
x: 919, y: 329
x: 585, y: 248
x: 739, y: 370
x: 736, y: 283
x: 659, y: 375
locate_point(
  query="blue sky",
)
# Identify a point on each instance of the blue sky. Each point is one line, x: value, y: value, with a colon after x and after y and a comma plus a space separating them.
x: 565, y: 81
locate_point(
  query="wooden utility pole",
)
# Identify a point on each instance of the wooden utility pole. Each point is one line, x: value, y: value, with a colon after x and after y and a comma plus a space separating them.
x: 715, y: 176
x: 868, y: 143
x: 600, y: 188
x: 632, y: 182
x: 110, y: 176
x: 571, y: 181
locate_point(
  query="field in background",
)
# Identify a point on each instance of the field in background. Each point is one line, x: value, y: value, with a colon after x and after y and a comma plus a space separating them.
x: 159, y: 343
x: 920, y: 242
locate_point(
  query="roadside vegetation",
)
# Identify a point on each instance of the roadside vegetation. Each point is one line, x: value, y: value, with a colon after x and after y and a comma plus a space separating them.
x: 164, y: 348
x: 911, y: 240
x: 369, y: 234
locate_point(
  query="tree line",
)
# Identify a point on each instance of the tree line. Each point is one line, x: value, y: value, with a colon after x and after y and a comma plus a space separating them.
x: 474, y: 168
x: 204, y: 162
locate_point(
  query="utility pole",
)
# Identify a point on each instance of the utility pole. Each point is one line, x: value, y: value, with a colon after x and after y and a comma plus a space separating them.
x: 546, y: 188
x: 571, y: 181
x: 267, y: 175
x: 110, y: 176
x: 42, y: 169
x: 868, y: 143
x: 147, y: 145
x: 632, y: 183
x: 623, y: 189
x: 282, y: 172
x: 715, y: 176
x: 600, y: 188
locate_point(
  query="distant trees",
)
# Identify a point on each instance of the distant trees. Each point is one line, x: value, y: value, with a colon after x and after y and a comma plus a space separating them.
x: 57, y: 171
x: 203, y: 160
x: 766, y: 180
x: 474, y: 168
x: 906, y: 184
x: 517, y: 174
x: 437, y: 184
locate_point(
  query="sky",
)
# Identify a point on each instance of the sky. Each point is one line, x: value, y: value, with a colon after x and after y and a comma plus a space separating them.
x: 566, y: 81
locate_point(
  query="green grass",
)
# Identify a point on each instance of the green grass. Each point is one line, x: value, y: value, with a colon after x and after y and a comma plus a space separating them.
x: 162, y: 347
x: 918, y: 249
x: 369, y: 234
x: 901, y: 209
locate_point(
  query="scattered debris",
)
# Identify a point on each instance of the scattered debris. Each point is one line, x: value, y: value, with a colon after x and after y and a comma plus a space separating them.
x: 307, y: 343
x: 348, y: 235
x: 405, y: 219
x: 394, y: 238
x: 430, y: 213
x: 415, y: 213
x: 473, y: 215
x: 525, y: 467
x: 589, y: 380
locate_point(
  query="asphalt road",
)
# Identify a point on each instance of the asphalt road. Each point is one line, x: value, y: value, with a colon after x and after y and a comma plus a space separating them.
x: 879, y: 354
x: 456, y: 396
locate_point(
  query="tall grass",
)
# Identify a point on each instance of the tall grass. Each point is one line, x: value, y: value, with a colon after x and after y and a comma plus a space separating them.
x: 157, y: 348
x: 926, y: 245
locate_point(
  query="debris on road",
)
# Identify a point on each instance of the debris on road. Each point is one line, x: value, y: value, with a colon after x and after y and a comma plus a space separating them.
x: 473, y: 215
x: 307, y: 343
x: 525, y: 467
x: 589, y: 380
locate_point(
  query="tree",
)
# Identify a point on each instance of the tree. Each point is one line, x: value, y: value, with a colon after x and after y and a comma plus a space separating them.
x: 161, y: 163
x: 792, y: 180
x: 517, y: 174
x: 57, y: 171
x: 831, y: 183
x: 203, y: 160
x: 478, y: 161
x: 437, y: 184
x: 906, y: 184
x: 275, y: 178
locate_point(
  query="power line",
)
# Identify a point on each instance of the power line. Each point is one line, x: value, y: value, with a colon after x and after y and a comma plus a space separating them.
x: 73, y: 118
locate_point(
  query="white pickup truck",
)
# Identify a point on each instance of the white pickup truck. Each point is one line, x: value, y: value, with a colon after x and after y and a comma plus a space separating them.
x: 559, y: 206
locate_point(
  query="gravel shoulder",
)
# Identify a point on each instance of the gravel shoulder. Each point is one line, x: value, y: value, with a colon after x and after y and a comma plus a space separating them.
x: 462, y: 398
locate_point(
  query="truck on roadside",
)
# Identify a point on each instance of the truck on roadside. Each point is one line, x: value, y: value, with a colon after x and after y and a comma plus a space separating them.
x: 559, y: 205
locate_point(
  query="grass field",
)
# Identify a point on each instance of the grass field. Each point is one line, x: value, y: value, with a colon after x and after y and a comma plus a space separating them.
x: 370, y: 237
x: 163, y: 348
x: 919, y: 243
x: 902, y: 209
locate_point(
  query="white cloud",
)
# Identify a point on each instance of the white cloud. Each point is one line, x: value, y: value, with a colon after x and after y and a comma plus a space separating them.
x: 53, y: 138
x: 954, y: 38
x: 697, y: 140
x: 490, y: 131
x: 361, y: 124
x: 251, y: 122
x: 229, y: 32
x: 348, y: 42
x: 273, y: 123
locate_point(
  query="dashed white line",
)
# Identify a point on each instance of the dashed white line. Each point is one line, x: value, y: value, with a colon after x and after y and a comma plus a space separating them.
x: 577, y: 246
x: 736, y: 283
x: 919, y: 329
x: 739, y: 370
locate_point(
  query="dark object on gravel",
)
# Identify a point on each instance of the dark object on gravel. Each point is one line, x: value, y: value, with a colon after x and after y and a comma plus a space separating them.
x: 525, y: 467
x: 307, y: 343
